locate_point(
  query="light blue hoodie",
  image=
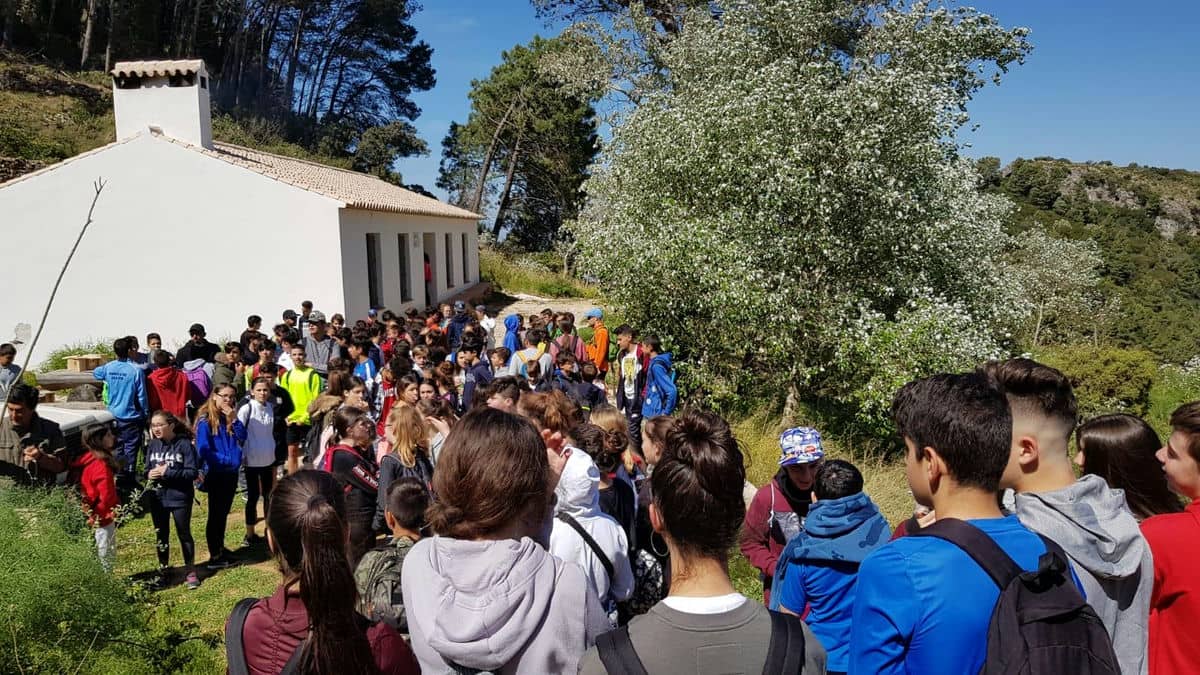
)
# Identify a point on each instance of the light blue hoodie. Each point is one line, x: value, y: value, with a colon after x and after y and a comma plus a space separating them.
x: 511, y: 340
x: 819, y: 568
x: 127, y: 400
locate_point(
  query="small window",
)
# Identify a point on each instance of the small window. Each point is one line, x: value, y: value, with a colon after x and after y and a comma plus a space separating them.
x: 465, y: 260
x: 183, y: 80
x: 374, y: 286
x: 449, y: 263
x: 203, y: 82
x: 405, y: 280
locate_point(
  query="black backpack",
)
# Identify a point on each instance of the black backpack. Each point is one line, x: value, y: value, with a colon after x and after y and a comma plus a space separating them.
x: 1041, y: 623
x: 785, y: 655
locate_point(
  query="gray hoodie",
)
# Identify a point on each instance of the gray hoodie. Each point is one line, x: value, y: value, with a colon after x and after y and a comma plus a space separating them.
x: 1093, y: 524
x: 502, y: 606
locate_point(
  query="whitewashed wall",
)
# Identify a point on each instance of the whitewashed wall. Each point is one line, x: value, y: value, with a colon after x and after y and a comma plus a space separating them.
x: 357, y: 223
x: 178, y: 237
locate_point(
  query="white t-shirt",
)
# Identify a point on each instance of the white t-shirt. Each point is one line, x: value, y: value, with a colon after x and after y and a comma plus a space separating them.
x: 717, y: 604
x: 259, y: 420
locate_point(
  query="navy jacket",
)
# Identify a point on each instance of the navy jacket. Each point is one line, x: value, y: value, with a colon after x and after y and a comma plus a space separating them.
x: 176, y: 487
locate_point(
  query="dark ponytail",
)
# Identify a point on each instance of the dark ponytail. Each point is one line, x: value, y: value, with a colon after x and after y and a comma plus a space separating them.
x: 307, y: 520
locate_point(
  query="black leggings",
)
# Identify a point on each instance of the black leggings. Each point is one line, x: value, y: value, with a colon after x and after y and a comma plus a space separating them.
x: 221, y: 488
x: 162, y: 517
x: 259, y: 481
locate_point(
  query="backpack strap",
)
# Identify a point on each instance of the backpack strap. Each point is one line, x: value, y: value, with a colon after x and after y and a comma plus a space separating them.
x: 616, y: 652
x: 983, y: 549
x: 235, y: 648
x: 786, y: 651
x: 587, y: 539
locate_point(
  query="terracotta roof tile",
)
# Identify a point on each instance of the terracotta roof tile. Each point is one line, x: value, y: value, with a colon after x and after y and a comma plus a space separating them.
x: 155, y: 68
x: 355, y: 189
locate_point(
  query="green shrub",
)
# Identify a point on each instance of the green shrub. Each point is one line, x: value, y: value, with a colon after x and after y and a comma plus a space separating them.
x: 1106, y: 379
x: 526, y: 274
x: 58, y: 358
x: 1173, y: 387
x: 63, y: 612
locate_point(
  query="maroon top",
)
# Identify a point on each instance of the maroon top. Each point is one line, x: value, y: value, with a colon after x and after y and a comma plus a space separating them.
x: 276, y: 625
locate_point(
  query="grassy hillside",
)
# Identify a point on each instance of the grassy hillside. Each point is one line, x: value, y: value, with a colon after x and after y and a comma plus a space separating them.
x: 48, y: 115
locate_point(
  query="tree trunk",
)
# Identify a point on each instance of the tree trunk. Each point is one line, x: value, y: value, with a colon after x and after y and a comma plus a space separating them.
x: 90, y: 20
x: 293, y: 61
x: 508, y: 181
x: 10, y: 24
x: 112, y: 28
x: 191, y: 43
x: 791, y: 405
x: 1037, y: 326
x: 477, y: 198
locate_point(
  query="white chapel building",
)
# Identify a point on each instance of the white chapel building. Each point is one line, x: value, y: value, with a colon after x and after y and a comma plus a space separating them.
x: 190, y: 230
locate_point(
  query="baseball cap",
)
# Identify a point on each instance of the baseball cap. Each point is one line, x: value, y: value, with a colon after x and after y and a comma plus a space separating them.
x: 289, y: 314
x: 372, y: 312
x: 594, y: 313
x: 196, y: 329
x: 800, y: 445
x: 316, y: 317
x: 481, y: 308
x: 460, y: 306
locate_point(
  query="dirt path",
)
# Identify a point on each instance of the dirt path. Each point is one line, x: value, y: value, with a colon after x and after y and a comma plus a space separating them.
x: 531, y: 304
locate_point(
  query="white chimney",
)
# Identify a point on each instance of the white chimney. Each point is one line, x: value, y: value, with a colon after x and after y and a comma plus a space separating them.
x: 169, y: 95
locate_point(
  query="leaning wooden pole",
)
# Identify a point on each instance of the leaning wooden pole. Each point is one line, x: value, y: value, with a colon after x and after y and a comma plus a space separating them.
x: 99, y: 187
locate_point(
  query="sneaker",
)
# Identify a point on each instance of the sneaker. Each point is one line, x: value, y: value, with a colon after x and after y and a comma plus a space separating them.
x: 252, y: 540
x: 193, y: 581
x: 218, y: 563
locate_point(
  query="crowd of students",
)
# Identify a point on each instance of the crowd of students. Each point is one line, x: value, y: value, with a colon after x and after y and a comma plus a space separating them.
x: 440, y: 500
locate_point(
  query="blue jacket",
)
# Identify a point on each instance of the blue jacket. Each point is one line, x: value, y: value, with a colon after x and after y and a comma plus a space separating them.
x: 127, y: 399
x: 819, y: 569
x: 219, y: 452
x: 454, y: 330
x: 478, y: 375
x: 661, y: 394
x: 511, y: 340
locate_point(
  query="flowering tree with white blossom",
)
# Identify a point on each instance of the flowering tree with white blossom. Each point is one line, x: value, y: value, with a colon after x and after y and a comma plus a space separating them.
x: 794, y: 191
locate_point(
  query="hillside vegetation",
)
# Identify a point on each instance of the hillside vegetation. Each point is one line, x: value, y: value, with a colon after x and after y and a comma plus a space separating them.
x: 48, y: 115
x: 1145, y: 222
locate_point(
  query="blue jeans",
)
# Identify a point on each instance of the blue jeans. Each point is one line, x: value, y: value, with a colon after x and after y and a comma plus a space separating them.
x: 129, y: 445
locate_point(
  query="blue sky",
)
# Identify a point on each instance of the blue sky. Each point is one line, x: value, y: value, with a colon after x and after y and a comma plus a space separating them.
x: 1107, y: 79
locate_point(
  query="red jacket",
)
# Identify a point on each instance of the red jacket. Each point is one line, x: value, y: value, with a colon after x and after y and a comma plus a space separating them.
x: 770, y: 523
x: 1175, y: 602
x: 97, y: 487
x: 168, y: 390
x: 276, y: 625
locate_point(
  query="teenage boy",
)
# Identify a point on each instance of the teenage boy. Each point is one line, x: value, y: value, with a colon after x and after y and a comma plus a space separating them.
x: 10, y: 373
x: 253, y: 326
x: 661, y: 394
x: 535, y: 350
x: 597, y: 348
x: 1175, y: 604
x: 499, y: 358
x: 378, y: 573
x: 129, y: 403
x: 818, y: 569
x: 231, y: 370
x: 197, y: 347
x: 924, y: 605
x: 167, y: 386
x: 630, y: 381
x: 290, y: 318
x: 777, y: 511
x: 476, y: 371
x: 586, y: 391
x: 153, y: 342
x: 302, y: 321
x: 318, y: 346
x: 1088, y: 519
x: 303, y: 385
x: 457, y: 323
x: 287, y: 340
